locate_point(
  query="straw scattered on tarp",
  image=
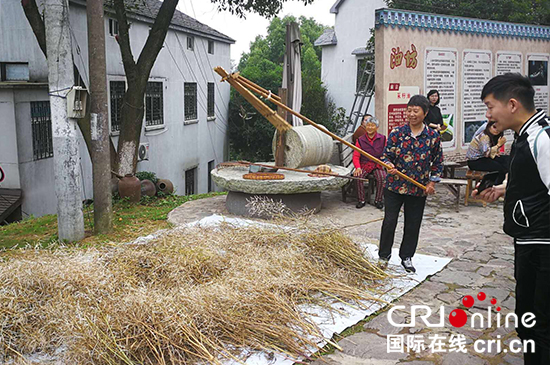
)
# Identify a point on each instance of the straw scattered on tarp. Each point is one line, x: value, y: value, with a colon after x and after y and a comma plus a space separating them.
x: 198, y: 295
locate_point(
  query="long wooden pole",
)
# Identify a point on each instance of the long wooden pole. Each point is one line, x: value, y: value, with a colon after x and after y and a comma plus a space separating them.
x: 370, y: 157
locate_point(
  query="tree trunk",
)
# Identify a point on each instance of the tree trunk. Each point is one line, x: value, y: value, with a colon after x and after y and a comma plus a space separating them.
x: 103, y: 206
x: 130, y: 129
x: 68, y: 181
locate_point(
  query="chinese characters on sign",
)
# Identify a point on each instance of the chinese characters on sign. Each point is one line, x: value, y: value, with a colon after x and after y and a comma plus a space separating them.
x: 398, y: 97
x: 396, y: 57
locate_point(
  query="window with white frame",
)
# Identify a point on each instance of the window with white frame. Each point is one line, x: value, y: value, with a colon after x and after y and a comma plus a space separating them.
x: 14, y: 71
x: 117, y: 89
x: 113, y: 27
x: 211, y: 106
x: 211, y: 47
x: 153, y: 104
x: 190, y: 100
x: 41, y: 121
x: 190, y: 43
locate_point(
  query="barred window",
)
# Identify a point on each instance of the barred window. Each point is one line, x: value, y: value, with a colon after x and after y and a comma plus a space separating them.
x: 42, y: 143
x: 190, y: 43
x: 211, y: 47
x: 153, y: 104
x: 211, y: 112
x: 190, y: 100
x: 117, y: 90
x: 113, y: 27
x: 190, y: 177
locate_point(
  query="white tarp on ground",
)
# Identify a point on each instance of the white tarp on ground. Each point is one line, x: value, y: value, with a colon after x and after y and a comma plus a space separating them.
x: 346, y: 316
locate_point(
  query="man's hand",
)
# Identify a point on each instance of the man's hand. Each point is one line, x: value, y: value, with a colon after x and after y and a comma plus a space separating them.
x: 392, y: 170
x: 358, y: 172
x: 491, y: 194
x: 430, y: 188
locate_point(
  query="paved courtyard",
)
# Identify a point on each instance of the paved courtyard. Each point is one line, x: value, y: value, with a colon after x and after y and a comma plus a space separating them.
x: 482, y: 262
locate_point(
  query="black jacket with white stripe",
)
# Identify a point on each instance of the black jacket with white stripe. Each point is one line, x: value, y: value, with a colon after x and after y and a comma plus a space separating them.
x: 527, y: 200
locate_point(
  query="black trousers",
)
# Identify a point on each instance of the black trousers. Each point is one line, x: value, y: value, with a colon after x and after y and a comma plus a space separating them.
x: 414, y: 210
x: 499, y: 163
x: 532, y: 273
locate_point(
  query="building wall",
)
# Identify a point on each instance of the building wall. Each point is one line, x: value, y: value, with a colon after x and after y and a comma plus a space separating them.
x: 173, y: 148
x: 8, y: 148
x: 388, y: 38
x: 37, y: 177
x: 352, y: 26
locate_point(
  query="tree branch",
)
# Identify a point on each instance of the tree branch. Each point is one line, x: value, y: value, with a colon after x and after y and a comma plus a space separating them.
x: 37, y: 23
x: 123, y: 40
x: 156, y: 37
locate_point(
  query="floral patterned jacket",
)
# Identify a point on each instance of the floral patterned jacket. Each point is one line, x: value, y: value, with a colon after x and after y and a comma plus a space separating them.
x: 420, y: 157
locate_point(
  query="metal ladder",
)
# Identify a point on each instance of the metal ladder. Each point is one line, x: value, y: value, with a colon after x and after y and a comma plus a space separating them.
x: 366, y: 91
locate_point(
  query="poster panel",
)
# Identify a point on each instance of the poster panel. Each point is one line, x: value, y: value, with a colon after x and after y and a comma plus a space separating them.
x: 537, y: 71
x: 477, y: 68
x: 440, y: 74
x: 505, y: 62
x: 398, y: 96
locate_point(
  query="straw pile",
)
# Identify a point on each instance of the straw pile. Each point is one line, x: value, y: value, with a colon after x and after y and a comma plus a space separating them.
x: 191, y: 297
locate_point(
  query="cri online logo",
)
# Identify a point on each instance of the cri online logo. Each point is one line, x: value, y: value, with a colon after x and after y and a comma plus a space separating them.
x: 458, y: 317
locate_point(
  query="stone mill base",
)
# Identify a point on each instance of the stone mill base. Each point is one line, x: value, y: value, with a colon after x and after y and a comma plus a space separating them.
x: 236, y: 202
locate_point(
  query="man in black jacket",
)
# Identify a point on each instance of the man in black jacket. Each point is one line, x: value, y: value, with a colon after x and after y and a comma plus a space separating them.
x: 509, y: 100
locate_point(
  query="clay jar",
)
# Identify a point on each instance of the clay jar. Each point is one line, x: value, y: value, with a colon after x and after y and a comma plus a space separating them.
x: 130, y: 186
x: 148, y: 188
x: 165, y: 186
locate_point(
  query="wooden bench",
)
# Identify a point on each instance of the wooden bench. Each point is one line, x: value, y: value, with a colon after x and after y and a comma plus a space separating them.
x: 454, y: 187
x: 473, y: 177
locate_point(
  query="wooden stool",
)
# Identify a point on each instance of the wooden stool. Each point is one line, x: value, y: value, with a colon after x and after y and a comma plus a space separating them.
x: 473, y: 177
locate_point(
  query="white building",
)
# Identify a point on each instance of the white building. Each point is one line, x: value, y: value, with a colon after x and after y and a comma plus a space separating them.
x: 186, y: 113
x: 344, y: 48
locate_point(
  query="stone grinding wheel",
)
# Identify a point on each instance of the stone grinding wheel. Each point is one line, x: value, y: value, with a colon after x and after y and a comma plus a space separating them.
x: 263, y: 176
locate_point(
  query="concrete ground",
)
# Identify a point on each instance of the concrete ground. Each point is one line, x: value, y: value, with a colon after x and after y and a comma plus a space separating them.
x: 482, y: 262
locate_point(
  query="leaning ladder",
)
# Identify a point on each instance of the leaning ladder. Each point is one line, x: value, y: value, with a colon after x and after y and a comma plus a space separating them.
x: 365, y: 91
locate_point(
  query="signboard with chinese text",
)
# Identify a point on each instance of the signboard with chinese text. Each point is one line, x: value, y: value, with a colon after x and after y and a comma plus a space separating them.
x: 398, y: 96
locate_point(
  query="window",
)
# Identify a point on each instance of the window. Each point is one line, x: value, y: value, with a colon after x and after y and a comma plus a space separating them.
x: 14, y: 71
x: 210, y: 112
x: 42, y: 143
x: 190, y: 181
x: 361, y: 64
x: 190, y: 100
x: 190, y: 43
x: 117, y: 90
x: 113, y: 27
x: 153, y: 104
x: 210, y: 182
x: 211, y: 47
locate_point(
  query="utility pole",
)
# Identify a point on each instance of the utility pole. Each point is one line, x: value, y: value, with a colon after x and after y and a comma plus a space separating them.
x: 99, y: 125
x: 70, y: 219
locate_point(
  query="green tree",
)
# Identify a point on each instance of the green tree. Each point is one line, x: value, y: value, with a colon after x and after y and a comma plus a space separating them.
x: 250, y: 134
x: 516, y: 11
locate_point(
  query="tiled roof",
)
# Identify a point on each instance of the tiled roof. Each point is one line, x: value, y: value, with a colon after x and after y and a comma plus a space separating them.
x: 328, y: 38
x: 10, y: 199
x: 334, y: 8
x: 150, y: 8
x: 446, y: 23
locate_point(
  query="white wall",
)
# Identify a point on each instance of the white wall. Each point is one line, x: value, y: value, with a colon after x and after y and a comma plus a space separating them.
x: 352, y: 26
x: 8, y: 146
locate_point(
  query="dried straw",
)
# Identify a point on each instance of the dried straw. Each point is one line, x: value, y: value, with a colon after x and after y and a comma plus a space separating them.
x: 190, y: 297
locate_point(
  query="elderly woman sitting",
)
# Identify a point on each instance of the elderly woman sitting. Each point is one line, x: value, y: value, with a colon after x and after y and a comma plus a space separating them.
x: 373, y: 143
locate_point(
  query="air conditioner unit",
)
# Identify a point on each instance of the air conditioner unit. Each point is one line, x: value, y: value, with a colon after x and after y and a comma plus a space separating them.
x: 143, y: 151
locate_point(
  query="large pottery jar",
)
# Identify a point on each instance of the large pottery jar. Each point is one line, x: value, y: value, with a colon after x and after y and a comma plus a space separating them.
x: 130, y: 186
x: 165, y: 186
x: 148, y: 188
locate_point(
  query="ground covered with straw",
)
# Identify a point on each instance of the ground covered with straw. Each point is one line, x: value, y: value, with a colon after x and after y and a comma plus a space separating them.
x: 193, y: 296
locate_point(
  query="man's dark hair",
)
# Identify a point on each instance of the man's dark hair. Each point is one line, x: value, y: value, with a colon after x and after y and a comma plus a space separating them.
x: 421, y: 101
x: 508, y: 86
